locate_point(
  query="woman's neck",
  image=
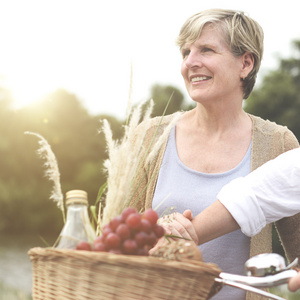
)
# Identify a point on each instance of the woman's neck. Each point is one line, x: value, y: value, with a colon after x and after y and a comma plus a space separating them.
x: 216, y: 120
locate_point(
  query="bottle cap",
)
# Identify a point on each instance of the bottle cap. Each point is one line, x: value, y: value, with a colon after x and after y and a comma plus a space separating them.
x: 76, y: 197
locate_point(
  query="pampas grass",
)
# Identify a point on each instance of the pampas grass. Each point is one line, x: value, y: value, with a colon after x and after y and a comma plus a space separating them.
x: 51, y: 171
x: 124, y: 161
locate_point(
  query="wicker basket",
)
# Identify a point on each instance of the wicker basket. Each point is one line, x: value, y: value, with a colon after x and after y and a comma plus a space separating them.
x: 83, y: 275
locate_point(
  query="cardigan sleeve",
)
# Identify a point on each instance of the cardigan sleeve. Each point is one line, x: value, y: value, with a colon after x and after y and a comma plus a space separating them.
x: 290, y: 141
x: 156, y: 136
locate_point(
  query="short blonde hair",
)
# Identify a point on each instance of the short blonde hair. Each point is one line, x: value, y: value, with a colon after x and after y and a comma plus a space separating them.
x: 241, y: 33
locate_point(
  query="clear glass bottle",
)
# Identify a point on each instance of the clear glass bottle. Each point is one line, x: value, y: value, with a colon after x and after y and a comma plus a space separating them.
x: 78, y: 226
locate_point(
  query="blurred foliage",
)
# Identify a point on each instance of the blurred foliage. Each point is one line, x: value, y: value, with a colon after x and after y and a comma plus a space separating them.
x: 161, y: 95
x: 11, y: 293
x: 164, y: 94
x: 278, y: 97
x: 75, y: 140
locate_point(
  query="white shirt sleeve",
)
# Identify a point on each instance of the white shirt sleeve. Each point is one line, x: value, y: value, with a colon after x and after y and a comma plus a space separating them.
x: 269, y: 193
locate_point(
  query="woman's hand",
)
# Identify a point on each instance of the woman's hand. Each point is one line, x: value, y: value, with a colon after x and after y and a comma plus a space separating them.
x: 178, y: 225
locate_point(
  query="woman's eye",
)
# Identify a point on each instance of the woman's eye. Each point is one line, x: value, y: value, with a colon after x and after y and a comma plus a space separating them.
x: 207, y: 49
x: 185, y: 53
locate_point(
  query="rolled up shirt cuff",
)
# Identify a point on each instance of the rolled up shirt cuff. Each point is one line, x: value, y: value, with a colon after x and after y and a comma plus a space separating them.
x: 242, y: 204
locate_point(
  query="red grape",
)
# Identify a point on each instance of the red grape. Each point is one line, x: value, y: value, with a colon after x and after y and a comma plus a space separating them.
x: 112, y: 241
x: 158, y: 230
x: 123, y: 231
x: 150, y: 215
x: 133, y: 220
x: 141, y: 239
x: 99, y: 239
x: 99, y: 247
x: 130, y: 246
x: 106, y: 231
x: 145, y: 226
x: 83, y: 245
x: 126, y: 212
x: 115, y: 222
x: 152, y: 239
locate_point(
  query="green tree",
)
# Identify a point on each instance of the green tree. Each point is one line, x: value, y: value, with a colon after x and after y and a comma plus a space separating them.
x: 278, y: 97
x: 78, y: 146
x: 161, y: 95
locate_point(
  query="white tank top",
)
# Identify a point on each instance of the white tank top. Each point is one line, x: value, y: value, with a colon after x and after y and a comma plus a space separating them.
x: 179, y: 188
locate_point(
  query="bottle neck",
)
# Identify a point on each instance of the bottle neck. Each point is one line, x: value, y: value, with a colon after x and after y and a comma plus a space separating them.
x: 77, y: 212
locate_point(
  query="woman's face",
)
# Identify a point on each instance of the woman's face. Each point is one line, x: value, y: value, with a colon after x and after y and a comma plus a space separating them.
x: 210, y: 70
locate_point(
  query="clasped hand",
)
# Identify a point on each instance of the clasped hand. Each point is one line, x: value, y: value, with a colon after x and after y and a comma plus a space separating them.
x: 176, y: 226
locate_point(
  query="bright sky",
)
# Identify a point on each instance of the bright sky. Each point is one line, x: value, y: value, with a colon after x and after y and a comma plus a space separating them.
x: 88, y: 46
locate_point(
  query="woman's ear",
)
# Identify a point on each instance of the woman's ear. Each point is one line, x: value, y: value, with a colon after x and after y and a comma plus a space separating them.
x: 248, y: 64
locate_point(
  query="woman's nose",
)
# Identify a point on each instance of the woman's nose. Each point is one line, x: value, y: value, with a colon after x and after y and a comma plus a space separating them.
x: 192, y: 61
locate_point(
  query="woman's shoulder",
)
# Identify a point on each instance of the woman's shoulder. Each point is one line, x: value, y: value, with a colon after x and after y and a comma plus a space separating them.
x: 163, y: 120
x: 272, y: 129
x: 267, y: 126
x: 269, y: 134
x: 159, y: 124
x: 155, y: 127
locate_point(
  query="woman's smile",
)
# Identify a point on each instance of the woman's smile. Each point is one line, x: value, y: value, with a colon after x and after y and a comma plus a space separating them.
x: 199, y: 79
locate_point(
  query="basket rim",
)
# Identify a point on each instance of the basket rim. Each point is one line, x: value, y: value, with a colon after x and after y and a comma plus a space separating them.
x: 117, y: 259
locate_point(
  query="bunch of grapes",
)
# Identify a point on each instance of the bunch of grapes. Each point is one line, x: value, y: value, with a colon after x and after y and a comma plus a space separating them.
x: 130, y: 233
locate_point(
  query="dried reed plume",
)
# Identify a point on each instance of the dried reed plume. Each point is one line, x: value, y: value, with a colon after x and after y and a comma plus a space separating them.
x: 125, y: 161
x: 51, y: 170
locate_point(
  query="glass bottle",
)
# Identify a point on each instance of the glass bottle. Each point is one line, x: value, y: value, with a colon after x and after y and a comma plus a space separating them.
x: 77, y: 226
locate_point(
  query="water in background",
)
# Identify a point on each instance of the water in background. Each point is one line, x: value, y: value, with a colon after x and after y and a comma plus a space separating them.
x: 15, y: 265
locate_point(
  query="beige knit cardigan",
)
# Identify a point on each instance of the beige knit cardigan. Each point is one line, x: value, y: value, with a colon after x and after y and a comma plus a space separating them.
x: 268, y: 141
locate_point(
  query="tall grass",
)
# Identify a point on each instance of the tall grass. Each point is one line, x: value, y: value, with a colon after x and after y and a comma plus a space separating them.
x: 10, y: 293
x: 51, y: 170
